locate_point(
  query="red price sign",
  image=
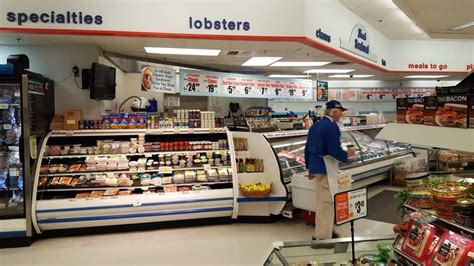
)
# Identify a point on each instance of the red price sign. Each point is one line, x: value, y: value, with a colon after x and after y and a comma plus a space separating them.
x: 350, y: 205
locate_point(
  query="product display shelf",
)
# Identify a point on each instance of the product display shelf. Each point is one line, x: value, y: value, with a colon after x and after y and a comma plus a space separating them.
x: 57, y: 206
x: 461, y: 139
x: 445, y: 223
x: 129, y: 154
x: 134, y: 187
x: 130, y: 172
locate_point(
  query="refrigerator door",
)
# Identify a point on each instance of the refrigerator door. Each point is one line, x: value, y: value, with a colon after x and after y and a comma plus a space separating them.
x: 12, y: 204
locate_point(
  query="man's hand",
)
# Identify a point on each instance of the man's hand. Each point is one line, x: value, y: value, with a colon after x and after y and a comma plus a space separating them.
x: 350, y: 152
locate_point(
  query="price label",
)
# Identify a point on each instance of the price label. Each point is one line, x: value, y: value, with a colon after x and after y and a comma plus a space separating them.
x: 190, y: 130
x: 207, y: 167
x: 14, y: 148
x: 212, y: 130
x: 137, y: 203
x: 14, y: 172
x: 231, y: 89
x: 148, y: 155
x: 177, y: 130
x: 3, y: 105
x: 350, y: 205
x: 17, y: 94
x: 165, y: 170
x: 211, y: 88
x: 7, y: 126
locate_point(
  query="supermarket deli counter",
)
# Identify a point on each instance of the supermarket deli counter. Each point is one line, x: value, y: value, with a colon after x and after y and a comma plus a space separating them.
x: 373, y: 160
x: 92, y: 178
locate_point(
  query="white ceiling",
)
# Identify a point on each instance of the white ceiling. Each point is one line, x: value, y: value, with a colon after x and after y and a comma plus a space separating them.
x: 416, y: 19
x: 134, y: 47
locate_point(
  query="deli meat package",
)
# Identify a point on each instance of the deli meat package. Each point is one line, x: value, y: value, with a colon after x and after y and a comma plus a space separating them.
x: 421, y: 241
x: 410, y: 110
x: 452, y: 111
x: 453, y: 250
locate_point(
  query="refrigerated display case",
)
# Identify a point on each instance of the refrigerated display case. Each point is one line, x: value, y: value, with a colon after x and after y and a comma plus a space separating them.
x: 26, y: 105
x: 373, y: 158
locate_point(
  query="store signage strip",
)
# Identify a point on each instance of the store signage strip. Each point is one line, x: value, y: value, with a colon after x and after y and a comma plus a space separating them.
x: 203, y: 83
x: 359, y: 43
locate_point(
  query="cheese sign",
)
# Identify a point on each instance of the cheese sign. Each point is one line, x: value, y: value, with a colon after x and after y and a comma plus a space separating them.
x: 350, y: 205
x: 203, y: 83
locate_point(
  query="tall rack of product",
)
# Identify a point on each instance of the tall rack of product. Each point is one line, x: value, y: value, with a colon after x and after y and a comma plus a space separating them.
x: 26, y: 106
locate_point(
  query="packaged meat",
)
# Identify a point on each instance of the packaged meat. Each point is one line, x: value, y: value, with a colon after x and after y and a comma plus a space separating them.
x: 201, y: 176
x: 74, y: 182
x: 179, y: 178
x: 111, y: 192
x: 166, y: 180
x: 453, y: 249
x: 418, y: 241
x: 75, y: 167
x: 83, y: 195
x: 42, y: 181
x: 212, y: 175
x: 65, y: 180
x: 170, y: 188
x: 44, y: 169
x: 55, y: 181
x: 124, y: 192
x: 97, y: 194
x: 190, y: 176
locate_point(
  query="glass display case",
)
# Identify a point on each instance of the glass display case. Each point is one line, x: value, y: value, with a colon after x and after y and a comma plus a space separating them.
x: 372, y: 249
x: 289, y: 147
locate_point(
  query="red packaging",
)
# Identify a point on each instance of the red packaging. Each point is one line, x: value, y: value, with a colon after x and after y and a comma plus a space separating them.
x: 420, y: 241
x: 452, y: 250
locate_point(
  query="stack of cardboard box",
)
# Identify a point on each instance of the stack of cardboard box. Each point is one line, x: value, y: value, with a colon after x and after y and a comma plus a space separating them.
x: 69, y: 121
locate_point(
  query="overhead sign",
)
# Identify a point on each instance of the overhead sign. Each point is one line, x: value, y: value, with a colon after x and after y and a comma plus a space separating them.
x: 158, y: 79
x: 321, y: 90
x: 377, y: 94
x: 203, y: 83
x: 359, y: 43
x: 350, y: 205
x: 54, y: 17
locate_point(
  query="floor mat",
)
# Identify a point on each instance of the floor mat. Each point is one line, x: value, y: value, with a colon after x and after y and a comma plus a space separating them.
x: 382, y: 208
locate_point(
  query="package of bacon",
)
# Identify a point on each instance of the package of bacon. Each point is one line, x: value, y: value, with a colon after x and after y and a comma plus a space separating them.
x: 452, y: 111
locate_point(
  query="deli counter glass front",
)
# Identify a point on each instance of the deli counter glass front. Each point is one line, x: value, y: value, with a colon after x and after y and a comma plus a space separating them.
x: 289, y: 147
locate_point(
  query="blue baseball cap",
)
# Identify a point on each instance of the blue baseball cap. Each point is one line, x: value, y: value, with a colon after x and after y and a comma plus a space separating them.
x: 335, y: 104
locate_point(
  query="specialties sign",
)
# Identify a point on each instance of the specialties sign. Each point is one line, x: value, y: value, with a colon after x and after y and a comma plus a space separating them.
x: 203, y: 83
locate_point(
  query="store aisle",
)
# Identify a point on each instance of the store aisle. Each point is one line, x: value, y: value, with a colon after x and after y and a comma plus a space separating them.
x: 229, y: 244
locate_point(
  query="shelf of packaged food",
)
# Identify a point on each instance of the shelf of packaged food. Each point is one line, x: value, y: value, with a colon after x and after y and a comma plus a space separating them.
x: 129, y: 172
x: 461, y: 227
x: 129, y: 154
x: 430, y: 136
x: 133, y: 187
x: 116, y: 132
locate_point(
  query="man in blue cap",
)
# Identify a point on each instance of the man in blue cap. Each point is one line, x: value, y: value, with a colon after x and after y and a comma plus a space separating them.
x: 324, y: 139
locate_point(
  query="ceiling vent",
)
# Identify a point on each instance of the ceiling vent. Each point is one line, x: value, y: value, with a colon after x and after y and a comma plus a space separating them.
x: 240, y: 53
x: 340, y: 63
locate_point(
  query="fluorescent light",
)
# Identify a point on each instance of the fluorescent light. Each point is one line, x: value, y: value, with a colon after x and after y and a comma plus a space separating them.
x: 328, y: 71
x: 350, y: 76
x: 463, y: 26
x: 182, y: 51
x: 288, y: 76
x: 299, y: 64
x: 426, y: 76
x: 261, y: 61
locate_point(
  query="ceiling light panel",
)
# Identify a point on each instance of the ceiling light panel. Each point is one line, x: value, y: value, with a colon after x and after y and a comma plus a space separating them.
x: 182, y: 51
x: 261, y: 61
x: 463, y: 26
x: 299, y: 64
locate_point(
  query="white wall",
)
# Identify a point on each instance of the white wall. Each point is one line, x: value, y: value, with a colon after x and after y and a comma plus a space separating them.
x: 221, y: 104
x: 56, y: 63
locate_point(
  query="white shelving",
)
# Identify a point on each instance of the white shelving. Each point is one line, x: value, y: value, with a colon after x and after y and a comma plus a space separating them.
x: 119, y: 132
x: 129, y: 154
x: 461, y: 139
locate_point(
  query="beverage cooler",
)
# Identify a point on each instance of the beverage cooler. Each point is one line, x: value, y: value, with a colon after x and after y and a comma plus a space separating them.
x: 26, y: 106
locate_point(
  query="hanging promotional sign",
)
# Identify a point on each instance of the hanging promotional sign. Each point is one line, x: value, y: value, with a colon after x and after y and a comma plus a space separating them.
x: 359, y: 43
x: 321, y: 90
x: 158, y: 79
x: 203, y: 83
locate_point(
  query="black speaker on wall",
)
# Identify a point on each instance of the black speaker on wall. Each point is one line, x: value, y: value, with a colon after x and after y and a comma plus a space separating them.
x: 86, y: 79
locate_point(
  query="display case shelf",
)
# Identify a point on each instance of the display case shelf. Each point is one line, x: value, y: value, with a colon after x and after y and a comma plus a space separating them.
x: 117, y: 132
x: 460, y: 139
x: 130, y: 172
x: 133, y: 187
x: 70, y: 156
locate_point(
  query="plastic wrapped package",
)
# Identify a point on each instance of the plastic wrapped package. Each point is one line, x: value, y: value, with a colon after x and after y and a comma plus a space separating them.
x: 178, y: 178
x: 212, y: 175
x: 3, y: 179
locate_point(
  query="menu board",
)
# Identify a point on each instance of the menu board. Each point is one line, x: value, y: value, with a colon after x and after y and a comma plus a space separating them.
x: 377, y: 94
x: 204, y: 83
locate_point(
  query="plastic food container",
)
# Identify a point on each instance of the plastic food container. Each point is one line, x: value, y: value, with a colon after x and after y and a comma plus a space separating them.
x: 464, y: 212
x: 445, y: 196
x: 439, y: 177
x: 420, y: 197
x: 417, y: 179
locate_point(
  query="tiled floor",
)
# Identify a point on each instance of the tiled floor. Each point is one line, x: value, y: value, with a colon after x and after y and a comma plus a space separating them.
x: 230, y: 244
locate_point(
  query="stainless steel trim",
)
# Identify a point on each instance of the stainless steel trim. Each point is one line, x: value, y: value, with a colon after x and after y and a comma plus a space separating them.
x: 35, y: 182
x: 35, y: 92
x: 27, y: 179
x: 337, y: 240
x: 280, y: 257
